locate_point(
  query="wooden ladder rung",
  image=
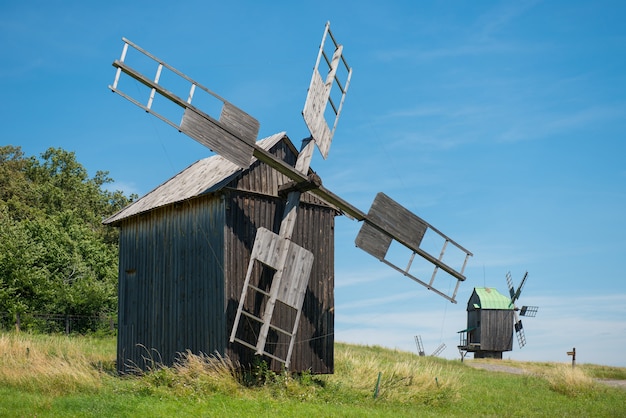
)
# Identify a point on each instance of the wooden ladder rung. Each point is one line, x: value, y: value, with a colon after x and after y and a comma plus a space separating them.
x: 259, y: 290
x: 265, y: 353
x: 287, y: 333
x: 249, y: 315
x: 247, y: 344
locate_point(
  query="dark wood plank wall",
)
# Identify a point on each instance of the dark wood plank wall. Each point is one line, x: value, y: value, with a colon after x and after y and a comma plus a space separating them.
x: 315, y: 345
x: 314, y: 231
x: 496, y: 329
x: 171, y: 289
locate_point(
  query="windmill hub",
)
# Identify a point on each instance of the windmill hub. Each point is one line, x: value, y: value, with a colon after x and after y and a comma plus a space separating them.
x: 313, y: 182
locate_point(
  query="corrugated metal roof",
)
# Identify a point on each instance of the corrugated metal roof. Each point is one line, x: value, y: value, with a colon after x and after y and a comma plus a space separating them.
x: 490, y: 298
x: 204, y: 176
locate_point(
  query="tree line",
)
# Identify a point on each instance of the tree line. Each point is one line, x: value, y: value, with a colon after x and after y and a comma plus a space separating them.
x: 55, y: 254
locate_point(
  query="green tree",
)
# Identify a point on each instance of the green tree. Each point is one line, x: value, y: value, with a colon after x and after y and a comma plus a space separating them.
x: 55, y: 254
x: 21, y: 280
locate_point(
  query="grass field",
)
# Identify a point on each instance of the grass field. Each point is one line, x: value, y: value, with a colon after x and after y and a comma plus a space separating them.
x: 43, y: 375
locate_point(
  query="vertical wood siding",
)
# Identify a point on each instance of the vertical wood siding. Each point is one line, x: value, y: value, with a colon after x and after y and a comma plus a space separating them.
x: 496, y: 330
x: 171, y: 289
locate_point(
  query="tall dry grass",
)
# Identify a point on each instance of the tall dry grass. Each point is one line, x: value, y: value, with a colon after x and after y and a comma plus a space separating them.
x: 198, y: 375
x: 194, y: 374
x: 51, y: 364
x: 404, y: 377
x: 569, y: 381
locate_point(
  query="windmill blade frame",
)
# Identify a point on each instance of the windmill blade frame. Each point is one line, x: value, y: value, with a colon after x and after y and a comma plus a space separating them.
x: 233, y: 134
x: 420, y: 345
x: 319, y: 94
x: 529, y: 311
x: 509, y: 283
x: 438, y: 350
x: 388, y: 221
x: 519, y: 332
x: 518, y: 292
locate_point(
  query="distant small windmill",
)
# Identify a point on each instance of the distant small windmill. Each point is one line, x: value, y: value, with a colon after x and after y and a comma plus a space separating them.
x: 420, y: 347
x: 233, y: 135
x: 491, y: 319
x: 529, y: 311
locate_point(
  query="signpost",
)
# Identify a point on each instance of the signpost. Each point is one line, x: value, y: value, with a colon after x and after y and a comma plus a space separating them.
x: 573, y: 354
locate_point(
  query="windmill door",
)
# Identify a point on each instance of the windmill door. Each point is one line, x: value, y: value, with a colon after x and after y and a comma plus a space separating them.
x: 473, y: 326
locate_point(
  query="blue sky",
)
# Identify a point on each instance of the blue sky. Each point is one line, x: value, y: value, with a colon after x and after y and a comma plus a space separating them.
x: 501, y: 123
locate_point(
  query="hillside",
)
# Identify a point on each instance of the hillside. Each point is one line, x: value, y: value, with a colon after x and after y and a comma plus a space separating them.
x: 74, y: 376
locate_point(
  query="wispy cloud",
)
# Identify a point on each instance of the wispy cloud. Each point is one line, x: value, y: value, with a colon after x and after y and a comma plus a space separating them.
x: 501, y: 16
x: 382, y: 301
x: 481, y: 37
x: 358, y: 278
x: 533, y: 125
x: 127, y: 187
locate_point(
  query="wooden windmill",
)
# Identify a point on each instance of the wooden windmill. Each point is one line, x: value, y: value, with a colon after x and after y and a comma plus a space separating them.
x: 491, y: 319
x: 232, y: 133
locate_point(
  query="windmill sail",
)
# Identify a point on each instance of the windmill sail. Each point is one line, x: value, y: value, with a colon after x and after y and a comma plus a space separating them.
x: 530, y: 311
x: 518, y: 292
x: 519, y: 331
x: 388, y: 221
x: 420, y: 346
x: 289, y: 284
x: 233, y: 134
x: 319, y: 93
x: 438, y: 350
x: 509, y: 283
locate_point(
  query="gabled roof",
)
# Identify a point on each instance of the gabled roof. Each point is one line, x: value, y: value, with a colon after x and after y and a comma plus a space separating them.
x: 205, y: 176
x: 490, y: 298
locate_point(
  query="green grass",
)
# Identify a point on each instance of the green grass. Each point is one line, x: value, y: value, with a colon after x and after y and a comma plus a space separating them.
x: 42, y: 375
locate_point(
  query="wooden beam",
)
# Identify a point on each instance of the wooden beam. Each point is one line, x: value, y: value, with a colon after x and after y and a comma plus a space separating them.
x: 314, y: 181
